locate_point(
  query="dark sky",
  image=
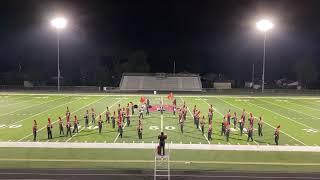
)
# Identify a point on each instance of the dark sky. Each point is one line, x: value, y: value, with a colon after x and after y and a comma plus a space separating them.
x: 200, y: 35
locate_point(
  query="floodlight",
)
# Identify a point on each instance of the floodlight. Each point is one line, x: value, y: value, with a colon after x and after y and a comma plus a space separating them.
x: 264, y: 25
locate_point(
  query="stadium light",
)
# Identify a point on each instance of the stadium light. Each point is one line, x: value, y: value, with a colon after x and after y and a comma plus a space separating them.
x: 58, y: 23
x: 264, y: 25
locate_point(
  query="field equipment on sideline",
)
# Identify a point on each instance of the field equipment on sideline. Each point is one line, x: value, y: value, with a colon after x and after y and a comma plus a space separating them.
x: 161, y: 163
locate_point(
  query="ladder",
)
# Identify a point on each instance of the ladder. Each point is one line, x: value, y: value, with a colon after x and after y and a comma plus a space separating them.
x: 162, y: 165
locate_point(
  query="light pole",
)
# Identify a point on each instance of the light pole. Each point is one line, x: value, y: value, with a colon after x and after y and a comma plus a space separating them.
x: 58, y: 23
x: 264, y: 25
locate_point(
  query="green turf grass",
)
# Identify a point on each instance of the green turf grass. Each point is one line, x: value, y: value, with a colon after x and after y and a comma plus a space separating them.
x: 298, y: 117
x: 144, y: 159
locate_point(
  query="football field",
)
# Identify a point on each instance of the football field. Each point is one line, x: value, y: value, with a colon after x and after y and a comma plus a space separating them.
x: 298, y: 117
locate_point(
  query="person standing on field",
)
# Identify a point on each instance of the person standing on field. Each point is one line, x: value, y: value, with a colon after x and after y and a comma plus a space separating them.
x: 120, y: 128
x: 202, y: 122
x: 197, y: 118
x: 86, y: 119
x: 75, y: 124
x: 93, y: 116
x: 113, y: 120
x: 210, y: 132
x: 241, y: 125
x: 139, y: 129
x: 108, y: 115
x: 68, y: 126
x: 260, y: 125
x: 235, y: 120
x: 194, y: 111
x: 49, y: 129
x: 229, y: 117
x: 250, y: 133
x: 223, y: 126
x: 181, y: 122
x: 174, y: 106
x: 141, y: 112
x: 132, y: 108
x: 251, y: 120
x: 162, y: 138
x: 277, y: 135
x: 61, y: 126
x: 227, y: 132
x: 34, y: 130
x: 100, y: 124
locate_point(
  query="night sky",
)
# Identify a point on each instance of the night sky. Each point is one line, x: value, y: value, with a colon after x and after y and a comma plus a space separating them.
x: 201, y: 36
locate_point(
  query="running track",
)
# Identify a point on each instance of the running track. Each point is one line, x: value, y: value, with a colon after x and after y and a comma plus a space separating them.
x: 81, y: 174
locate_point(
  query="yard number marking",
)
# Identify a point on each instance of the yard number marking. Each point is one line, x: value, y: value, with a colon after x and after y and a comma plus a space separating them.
x: 310, y: 130
x: 157, y: 128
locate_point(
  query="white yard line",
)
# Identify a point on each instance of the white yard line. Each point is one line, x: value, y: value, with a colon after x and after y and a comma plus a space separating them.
x: 62, y: 118
x: 305, y: 106
x: 115, y: 140
x: 31, y: 106
x: 223, y: 116
x: 283, y: 116
x: 289, y: 108
x: 99, y: 115
x: 192, y: 116
x: 71, y: 145
x: 43, y: 112
x: 267, y: 123
x: 15, y: 103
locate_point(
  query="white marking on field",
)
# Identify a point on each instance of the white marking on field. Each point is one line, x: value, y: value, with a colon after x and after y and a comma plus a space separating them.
x: 62, y: 118
x: 286, y: 116
x: 233, y: 130
x: 44, y: 97
x: 242, y: 100
x: 266, y: 123
x: 81, y: 98
x: 200, y: 99
x: 281, y: 100
x: 41, y: 112
x: 310, y: 130
x: 95, y: 127
x: 29, y: 106
x: 192, y: 116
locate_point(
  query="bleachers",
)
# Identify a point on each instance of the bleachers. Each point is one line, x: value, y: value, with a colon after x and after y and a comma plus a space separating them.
x: 169, y: 82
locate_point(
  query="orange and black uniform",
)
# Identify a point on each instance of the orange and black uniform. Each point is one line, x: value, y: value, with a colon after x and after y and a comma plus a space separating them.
x: 100, y: 125
x: 113, y: 120
x: 75, y: 125
x: 108, y: 116
x: 68, y: 126
x: 61, y: 127
x: 210, y: 133
x: 49, y: 131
